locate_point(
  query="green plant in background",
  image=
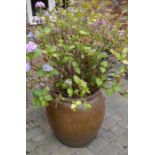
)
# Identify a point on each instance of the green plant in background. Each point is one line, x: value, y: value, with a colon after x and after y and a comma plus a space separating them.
x: 82, y: 49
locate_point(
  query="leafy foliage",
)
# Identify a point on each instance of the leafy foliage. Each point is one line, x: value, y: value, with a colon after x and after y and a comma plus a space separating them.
x: 87, y: 49
x: 41, y: 97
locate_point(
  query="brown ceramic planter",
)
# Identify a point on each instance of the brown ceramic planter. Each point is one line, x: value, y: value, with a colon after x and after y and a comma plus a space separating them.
x: 77, y: 129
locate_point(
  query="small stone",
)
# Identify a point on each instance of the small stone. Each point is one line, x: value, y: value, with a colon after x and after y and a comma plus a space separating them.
x: 107, y: 114
x: 123, y: 140
x: 33, y: 133
x: 97, y: 144
x: 116, y: 146
x: 123, y: 124
x: 83, y: 151
x: 101, y: 132
x: 39, y: 138
x: 107, y: 151
x: 115, y: 117
x: 109, y: 136
x: 30, y: 146
x: 64, y: 150
x: 122, y: 114
x: 46, y: 149
x: 108, y: 123
x: 117, y: 130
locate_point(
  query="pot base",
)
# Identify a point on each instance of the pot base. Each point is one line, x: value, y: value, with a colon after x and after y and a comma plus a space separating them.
x: 75, y: 145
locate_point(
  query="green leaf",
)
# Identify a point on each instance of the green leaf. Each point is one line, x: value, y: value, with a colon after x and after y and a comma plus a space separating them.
x: 83, y: 33
x: 52, y: 73
x: 122, y: 69
x: 40, y: 73
x: 99, y: 82
x: 77, y: 70
x: 83, y: 92
x: 107, y: 2
x: 104, y: 54
x: 87, y: 106
x: 41, y: 97
x: 100, y: 56
x: 71, y: 47
x: 61, y: 41
x: 46, y: 89
x: 47, y: 30
x: 50, y: 48
x: 65, y: 59
x: 36, y: 92
x: 37, y: 53
x: 76, y: 91
x: 28, y: 57
x: 125, y: 62
x: 118, y: 55
x: 102, y: 69
x: 86, y: 48
x: 104, y: 63
x: 82, y: 85
x: 38, y: 34
x: 117, y: 89
x: 35, y: 103
x: 70, y: 92
x: 113, y: 51
x: 109, y: 91
x: 48, y: 98
x: 64, y: 86
x: 55, y: 72
x: 76, y: 79
x: 125, y: 50
x: 104, y: 77
x: 44, y: 103
x: 55, y: 55
x: 78, y: 103
x: 75, y: 64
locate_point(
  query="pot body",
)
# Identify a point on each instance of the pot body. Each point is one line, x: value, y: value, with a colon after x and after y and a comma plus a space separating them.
x: 77, y: 129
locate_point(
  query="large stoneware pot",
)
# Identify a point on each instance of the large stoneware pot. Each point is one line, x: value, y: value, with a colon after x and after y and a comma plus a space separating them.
x: 77, y: 129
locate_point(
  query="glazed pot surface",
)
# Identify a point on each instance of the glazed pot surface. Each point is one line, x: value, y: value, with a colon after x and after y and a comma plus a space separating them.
x: 77, y: 129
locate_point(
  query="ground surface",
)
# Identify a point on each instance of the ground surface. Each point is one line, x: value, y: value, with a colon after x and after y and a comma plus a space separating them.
x: 112, y: 138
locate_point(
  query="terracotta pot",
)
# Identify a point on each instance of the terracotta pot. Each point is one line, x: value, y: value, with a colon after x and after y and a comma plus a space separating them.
x: 77, y: 129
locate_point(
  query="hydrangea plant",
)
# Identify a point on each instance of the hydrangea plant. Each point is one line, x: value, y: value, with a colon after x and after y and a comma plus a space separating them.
x: 75, y: 52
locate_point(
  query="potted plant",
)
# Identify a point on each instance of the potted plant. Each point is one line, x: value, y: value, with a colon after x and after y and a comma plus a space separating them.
x: 73, y: 54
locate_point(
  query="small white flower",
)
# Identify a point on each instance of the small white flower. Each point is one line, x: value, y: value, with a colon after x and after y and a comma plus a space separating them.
x: 68, y: 82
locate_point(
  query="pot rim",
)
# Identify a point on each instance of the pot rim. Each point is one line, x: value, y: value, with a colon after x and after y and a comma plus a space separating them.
x: 67, y: 101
